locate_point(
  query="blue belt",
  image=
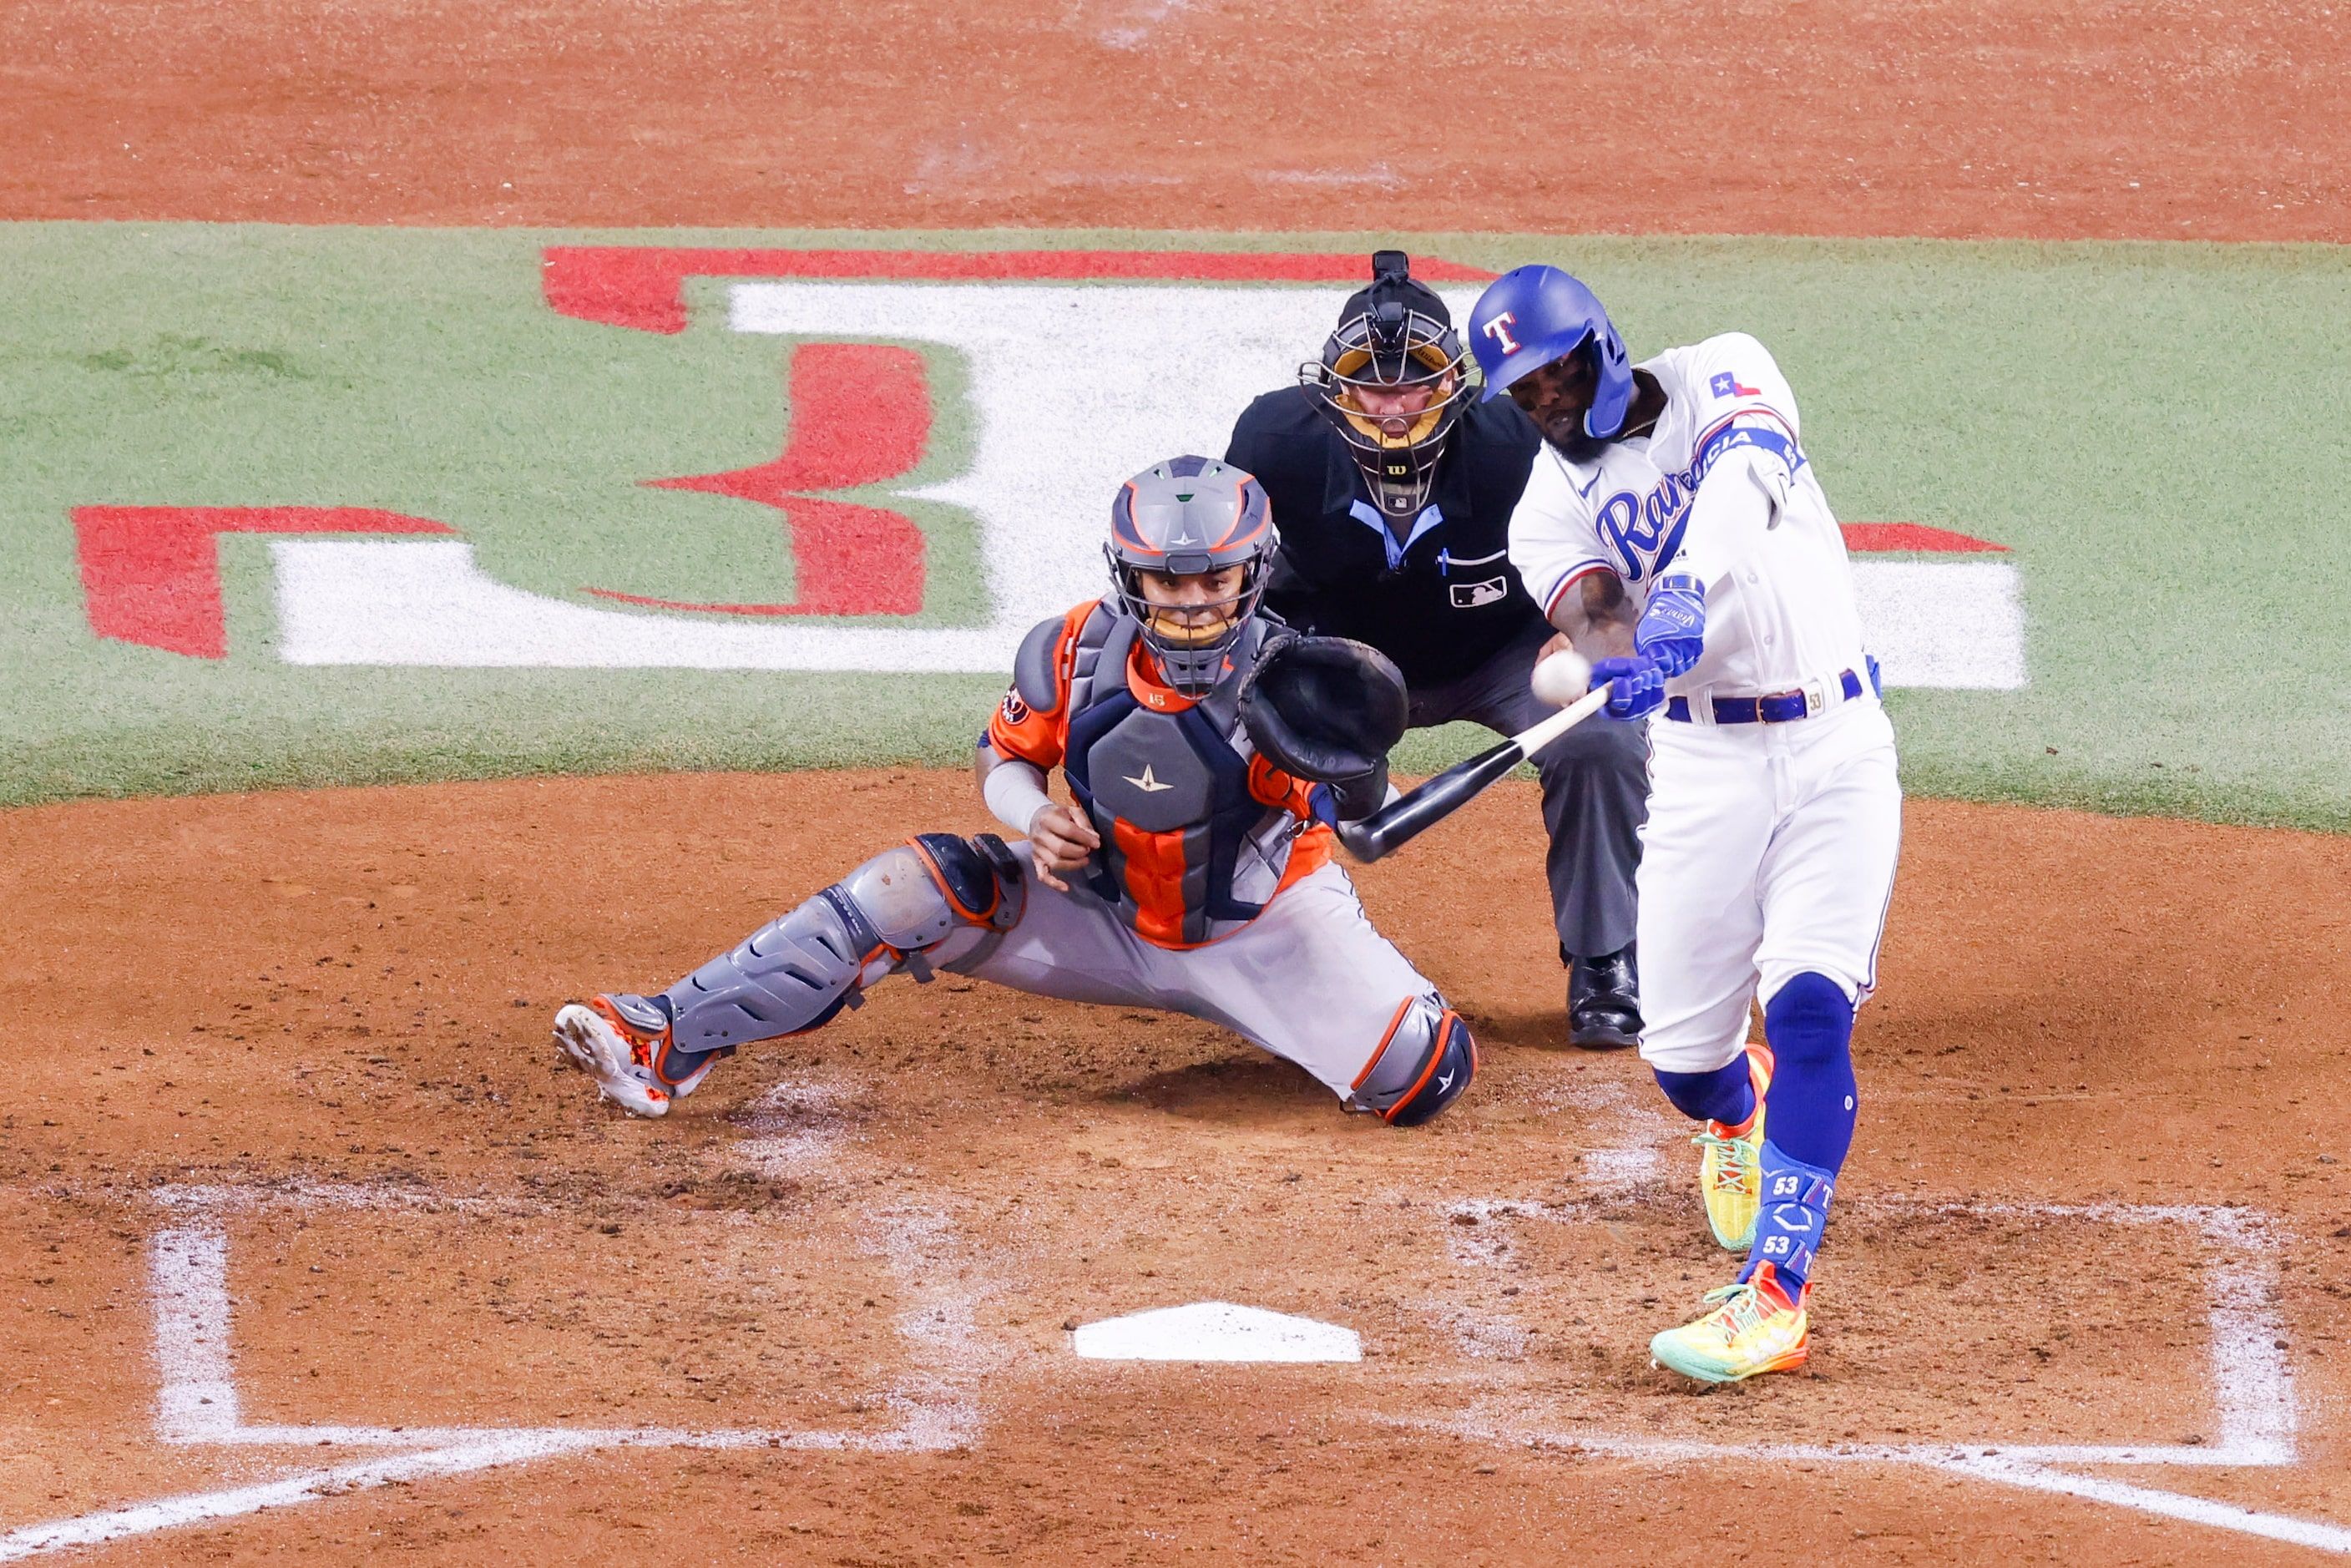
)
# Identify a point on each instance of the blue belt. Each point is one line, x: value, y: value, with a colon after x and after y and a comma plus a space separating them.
x: 1780, y: 707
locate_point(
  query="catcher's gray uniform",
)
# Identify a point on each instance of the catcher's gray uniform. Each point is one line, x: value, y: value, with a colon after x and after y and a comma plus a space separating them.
x: 1309, y: 980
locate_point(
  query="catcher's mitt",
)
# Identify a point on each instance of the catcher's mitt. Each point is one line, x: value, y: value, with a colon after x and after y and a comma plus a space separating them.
x: 1327, y: 709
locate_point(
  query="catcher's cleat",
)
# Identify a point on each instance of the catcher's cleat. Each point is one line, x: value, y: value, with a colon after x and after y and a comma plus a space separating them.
x: 1749, y: 1328
x: 623, y: 1053
x: 1731, y: 1167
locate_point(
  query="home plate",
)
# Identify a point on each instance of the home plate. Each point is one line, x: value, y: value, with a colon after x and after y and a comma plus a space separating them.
x: 1215, y: 1331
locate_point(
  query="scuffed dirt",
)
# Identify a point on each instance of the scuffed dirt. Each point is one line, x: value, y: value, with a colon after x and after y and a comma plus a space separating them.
x: 1955, y: 119
x: 318, y: 1022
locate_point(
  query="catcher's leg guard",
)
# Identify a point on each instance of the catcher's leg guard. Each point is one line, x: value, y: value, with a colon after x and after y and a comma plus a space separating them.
x: 644, y: 1023
x: 796, y: 973
x: 1426, y: 1059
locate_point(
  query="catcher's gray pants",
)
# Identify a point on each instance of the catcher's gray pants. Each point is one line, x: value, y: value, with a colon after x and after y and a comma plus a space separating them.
x: 1595, y: 791
x: 1309, y: 980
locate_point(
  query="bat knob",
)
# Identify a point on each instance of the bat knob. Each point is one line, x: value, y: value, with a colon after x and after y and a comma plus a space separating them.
x: 1361, y: 840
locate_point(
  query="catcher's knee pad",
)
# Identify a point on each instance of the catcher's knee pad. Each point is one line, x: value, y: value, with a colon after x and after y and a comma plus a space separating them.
x: 1427, y: 1060
x: 796, y: 973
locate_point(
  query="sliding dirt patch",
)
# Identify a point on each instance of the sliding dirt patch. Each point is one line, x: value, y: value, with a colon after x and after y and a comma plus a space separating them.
x: 827, y: 1304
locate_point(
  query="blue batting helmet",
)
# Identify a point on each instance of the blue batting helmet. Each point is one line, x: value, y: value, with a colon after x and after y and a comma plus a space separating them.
x: 1533, y: 314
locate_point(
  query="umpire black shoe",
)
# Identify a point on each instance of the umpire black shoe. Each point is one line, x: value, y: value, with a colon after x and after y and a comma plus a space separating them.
x: 1604, y: 1000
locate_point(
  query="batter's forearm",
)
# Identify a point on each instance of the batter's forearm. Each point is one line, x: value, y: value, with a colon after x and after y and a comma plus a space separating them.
x: 1596, y: 616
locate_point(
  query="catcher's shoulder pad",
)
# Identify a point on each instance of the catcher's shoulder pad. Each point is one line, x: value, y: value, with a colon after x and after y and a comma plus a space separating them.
x: 1324, y: 708
x: 1032, y: 666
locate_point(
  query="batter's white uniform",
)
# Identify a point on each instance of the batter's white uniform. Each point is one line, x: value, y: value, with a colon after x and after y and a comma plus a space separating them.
x: 1771, y: 847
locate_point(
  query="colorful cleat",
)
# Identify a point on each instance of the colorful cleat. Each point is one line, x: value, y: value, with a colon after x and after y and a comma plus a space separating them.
x: 1749, y: 1328
x: 621, y: 1053
x: 1730, y: 1167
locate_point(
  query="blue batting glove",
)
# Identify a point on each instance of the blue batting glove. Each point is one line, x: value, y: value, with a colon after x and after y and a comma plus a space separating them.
x: 1637, y: 686
x: 1672, y: 629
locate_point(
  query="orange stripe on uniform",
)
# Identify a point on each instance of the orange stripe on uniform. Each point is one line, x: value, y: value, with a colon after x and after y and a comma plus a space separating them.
x: 1154, y: 879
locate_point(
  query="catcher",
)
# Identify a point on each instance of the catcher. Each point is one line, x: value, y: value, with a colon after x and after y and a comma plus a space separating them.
x: 1210, y: 751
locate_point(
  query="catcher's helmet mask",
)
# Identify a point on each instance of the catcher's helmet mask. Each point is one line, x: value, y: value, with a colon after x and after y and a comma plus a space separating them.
x: 1186, y: 518
x: 1396, y: 336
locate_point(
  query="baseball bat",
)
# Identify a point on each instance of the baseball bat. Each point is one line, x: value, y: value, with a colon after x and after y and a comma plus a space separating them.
x: 1405, y: 818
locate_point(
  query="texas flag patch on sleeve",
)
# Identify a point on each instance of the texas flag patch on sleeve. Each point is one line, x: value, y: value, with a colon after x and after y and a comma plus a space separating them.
x: 1727, y: 385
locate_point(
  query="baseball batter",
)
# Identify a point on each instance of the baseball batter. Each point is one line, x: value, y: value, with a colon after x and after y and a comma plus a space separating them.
x: 1676, y: 522
x: 1193, y: 874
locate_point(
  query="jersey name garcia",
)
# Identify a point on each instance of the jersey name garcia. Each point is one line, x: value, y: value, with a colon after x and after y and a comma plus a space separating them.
x: 1782, y: 614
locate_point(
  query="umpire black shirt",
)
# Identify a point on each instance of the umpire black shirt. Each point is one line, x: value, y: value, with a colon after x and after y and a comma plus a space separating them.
x: 1439, y: 605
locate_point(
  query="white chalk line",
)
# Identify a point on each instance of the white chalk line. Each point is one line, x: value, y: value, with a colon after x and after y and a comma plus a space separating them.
x: 197, y: 1402
x: 2253, y: 1396
x: 2030, y: 1468
x: 306, y: 1486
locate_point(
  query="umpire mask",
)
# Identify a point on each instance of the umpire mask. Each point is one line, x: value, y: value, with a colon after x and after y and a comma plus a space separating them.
x: 1393, y: 380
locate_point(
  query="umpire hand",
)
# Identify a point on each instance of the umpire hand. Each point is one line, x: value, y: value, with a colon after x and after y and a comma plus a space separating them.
x: 1059, y: 839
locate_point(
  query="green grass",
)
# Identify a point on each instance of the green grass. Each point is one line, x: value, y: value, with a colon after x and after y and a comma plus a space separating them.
x: 2156, y: 430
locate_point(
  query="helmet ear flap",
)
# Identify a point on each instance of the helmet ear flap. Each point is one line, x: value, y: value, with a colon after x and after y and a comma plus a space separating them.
x: 1611, y: 399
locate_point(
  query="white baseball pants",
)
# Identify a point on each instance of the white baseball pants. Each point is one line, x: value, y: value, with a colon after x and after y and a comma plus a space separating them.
x: 1769, y: 853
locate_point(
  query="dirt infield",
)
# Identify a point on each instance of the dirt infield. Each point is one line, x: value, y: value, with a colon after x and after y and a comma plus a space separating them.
x: 294, y: 1203
x: 1959, y: 118
x: 299, y: 1040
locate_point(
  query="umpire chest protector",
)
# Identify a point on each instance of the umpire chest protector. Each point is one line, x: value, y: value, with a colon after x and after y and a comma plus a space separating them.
x: 1167, y: 787
x: 1435, y: 593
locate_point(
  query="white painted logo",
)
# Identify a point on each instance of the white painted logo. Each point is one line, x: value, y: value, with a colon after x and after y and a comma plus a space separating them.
x: 1059, y: 423
x: 1147, y: 784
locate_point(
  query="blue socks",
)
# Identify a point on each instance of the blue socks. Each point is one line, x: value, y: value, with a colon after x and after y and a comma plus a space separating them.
x: 1810, y: 1026
x: 1727, y: 1094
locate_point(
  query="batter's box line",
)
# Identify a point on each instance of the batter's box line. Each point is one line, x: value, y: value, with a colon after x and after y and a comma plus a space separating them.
x: 2253, y: 1387
x: 197, y: 1403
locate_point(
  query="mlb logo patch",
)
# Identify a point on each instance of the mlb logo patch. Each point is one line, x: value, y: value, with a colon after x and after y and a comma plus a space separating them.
x: 1471, y: 595
x: 1727, y: 385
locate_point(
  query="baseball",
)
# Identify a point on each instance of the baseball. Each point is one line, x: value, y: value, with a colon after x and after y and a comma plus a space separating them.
x: 1561, y: 678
